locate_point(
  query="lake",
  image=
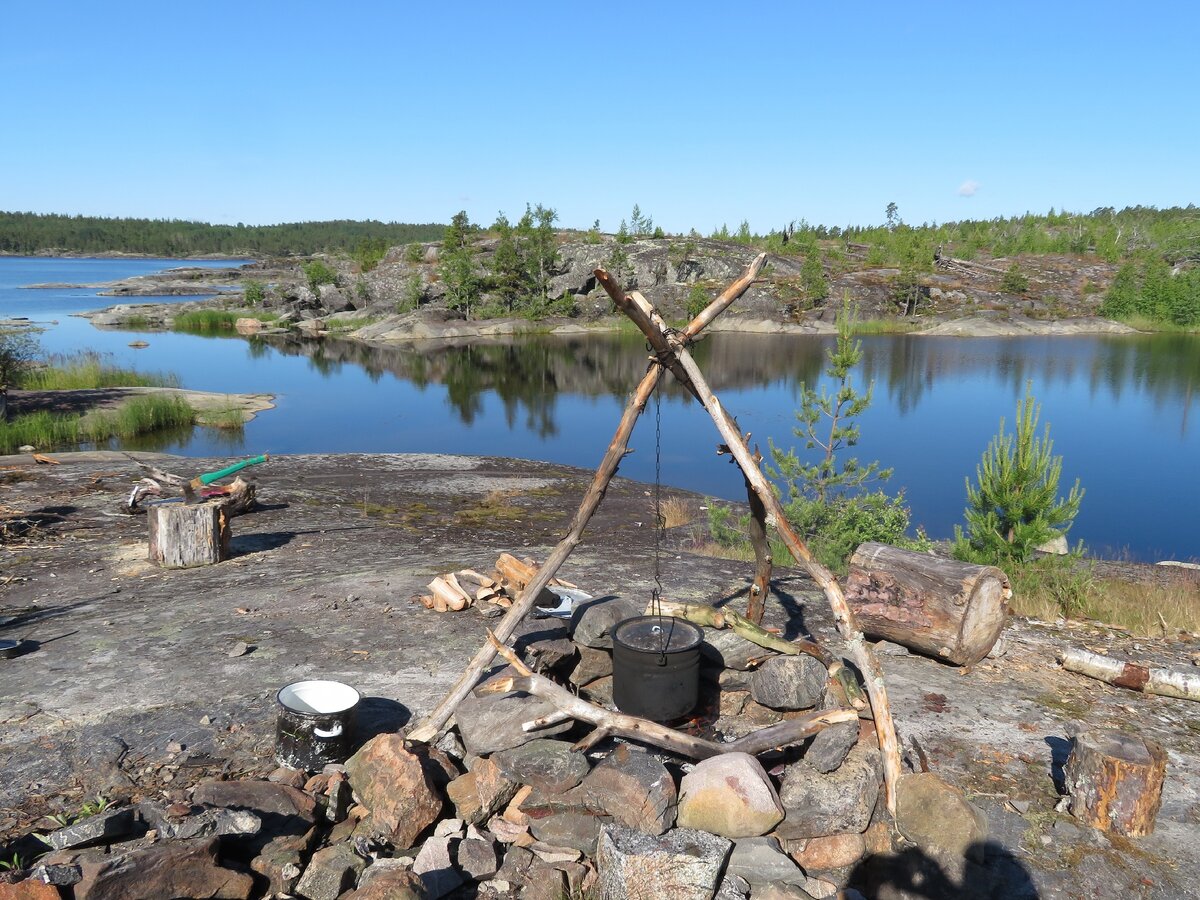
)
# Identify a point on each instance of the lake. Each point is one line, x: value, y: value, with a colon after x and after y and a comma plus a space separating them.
x: 1122, y: 410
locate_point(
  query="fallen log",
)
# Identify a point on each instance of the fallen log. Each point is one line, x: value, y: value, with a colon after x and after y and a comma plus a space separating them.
x: 1136, y: 677
x: 782, y: 734
x: 950, y: 610
x: 1115, y: 781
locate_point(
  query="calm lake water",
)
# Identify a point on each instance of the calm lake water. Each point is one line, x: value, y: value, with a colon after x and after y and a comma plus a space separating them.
x: 1123, y: 411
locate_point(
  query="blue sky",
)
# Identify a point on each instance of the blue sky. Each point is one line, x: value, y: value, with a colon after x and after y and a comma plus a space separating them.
x: 702, y: 113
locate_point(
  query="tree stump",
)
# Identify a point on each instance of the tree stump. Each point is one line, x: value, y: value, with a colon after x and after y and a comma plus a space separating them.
x: 183, y: 535
x: 1115, y: 781
x: 946, y: 609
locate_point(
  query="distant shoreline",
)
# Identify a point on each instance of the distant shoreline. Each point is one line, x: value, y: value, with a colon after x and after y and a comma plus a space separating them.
x: 123, y: 254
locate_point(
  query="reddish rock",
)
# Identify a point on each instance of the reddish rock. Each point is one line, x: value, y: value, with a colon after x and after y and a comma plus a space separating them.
x: 395, y: 785
x: 382, y: 882
x: 832, y: 852
x: 29, y: 889
x: 635, y: 789
x: 176, y: 869
x: 481, y: 792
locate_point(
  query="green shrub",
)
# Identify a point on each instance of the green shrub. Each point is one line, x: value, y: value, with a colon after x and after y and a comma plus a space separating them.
x: 317, y: 272
x: 414, y: 253
x: 698, y: 299
x: 254, y: 292
x: 833, y: 530
x: 1014, y: 507
x: 1014, y: 281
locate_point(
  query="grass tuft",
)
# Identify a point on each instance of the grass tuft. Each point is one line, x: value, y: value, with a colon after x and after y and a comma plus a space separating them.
x: 140, y: 415
x: 89, y: 370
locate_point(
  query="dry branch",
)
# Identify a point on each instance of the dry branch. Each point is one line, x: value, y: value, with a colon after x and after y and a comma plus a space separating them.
x: 1136, y: 677
x: 783, y: 734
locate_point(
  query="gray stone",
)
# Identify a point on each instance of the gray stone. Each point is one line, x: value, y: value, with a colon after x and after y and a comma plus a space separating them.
x: 760, y: 860
x: 57, y: 875
x: 730, y: 795
x: 551, y: 654
x: 680, y: 865
x: 575, y: 828
x: 536, y: 879
x: 492, y: 722
x: 830, y: 747
x: 729, y: 679
x: 593, y: 620
x: 634, y: 788
x: 818, y: 804
x: 435, y: 867
x: 203, y: 823
x: 887, y: 648
x: 789, y: 682
x: 592, y: 664
x: 549, y: 766
x: 330, y: 872
x: 732, y: 887
x: 478, y: 859
x: 103, y: 827
x: 170, y: 869
x: 730, y: 650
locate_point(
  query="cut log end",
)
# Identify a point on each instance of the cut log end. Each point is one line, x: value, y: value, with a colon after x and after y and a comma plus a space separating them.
x: 184, y: 535
x: 1115, y: 781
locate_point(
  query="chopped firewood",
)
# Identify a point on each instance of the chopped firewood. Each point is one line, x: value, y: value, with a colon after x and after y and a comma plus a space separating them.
x: 439, y: 604
x: 42, y: 459
x: 426, y: 601
x: 478, y: 577
x: 450, y: 595
x: 558, y: 582
x: 486, y: 594
x: 467, y: 597
x: 501, y: 600
x: 515, y: 570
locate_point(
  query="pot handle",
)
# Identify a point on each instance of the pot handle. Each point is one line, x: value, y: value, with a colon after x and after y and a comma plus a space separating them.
x: 332, y: 732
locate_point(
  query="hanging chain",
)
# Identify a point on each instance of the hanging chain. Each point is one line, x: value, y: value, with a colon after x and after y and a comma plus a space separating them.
x: 660, y: 526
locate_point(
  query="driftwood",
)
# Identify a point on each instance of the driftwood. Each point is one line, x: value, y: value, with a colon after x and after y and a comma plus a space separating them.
x: 950, y: 610
x: 236, y: 498
x: 608, y: 723
x: 1136, y: 677
x: 1115, y: 781
x: 672, y: 351
x: 433, y: 723
x: 183, y: 535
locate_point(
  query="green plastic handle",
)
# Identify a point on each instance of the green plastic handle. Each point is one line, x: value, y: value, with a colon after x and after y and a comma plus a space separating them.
x: 210, y: 477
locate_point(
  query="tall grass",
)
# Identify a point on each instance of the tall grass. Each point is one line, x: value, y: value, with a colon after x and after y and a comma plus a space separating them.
x: 87, y: 370
x: 140, y: 415
x: 215, y: 321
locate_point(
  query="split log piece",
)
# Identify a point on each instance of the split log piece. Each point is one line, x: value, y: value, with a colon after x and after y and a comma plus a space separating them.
x: 433, y: 723
x: 782, y: 734
x: 1115, y: 781
x: 444, y: 592
x: 486, y: 593
x: 183, y: 535
x: 672, y: 349
x: 1136, y: 677
x: 517, y: 571
x: 467, y: 596
x: 426, y: 600
x: 950, y: 610
x: 478, y: 577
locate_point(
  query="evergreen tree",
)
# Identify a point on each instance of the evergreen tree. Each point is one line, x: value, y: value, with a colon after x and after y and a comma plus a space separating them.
x: 507, y: 266
x: 812, y: 276
x: 826, y: 424
x: 1121, y: 299
x: 1014, y: 508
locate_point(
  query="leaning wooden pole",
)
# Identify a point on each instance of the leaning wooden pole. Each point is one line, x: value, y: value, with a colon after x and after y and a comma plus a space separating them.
x: 676, y: 356
x: 433, y: 723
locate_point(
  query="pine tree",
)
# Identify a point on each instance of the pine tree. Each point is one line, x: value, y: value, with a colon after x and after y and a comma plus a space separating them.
x: 1015, y: 508
x: 823, y: 479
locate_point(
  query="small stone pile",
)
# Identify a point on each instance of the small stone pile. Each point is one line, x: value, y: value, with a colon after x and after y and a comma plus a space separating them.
x: 492, y: 810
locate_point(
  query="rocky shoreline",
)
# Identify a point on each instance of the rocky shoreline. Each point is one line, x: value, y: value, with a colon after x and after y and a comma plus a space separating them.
x: 154, y: 688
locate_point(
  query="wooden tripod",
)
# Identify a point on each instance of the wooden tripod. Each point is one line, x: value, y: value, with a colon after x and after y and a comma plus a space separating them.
x: 671, y: 353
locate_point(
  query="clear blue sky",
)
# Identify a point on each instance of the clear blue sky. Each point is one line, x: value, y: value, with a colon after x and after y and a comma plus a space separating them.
x: 702, y: 113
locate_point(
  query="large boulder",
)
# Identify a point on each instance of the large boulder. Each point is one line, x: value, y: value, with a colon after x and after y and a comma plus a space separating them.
x: 330, y: 872
x: 730, y: 795
x: 937, y: 817
x: 396, y: 787
x: 635, y: 789
x: 682, y: 864
x: 492, y: 722
x: 819, y: 804
x: 175, y: 869
x: 789, y: 682
x: 592, y: 621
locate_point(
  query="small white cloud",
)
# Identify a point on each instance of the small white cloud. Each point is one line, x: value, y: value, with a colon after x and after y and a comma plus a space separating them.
x: 968, y: 188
